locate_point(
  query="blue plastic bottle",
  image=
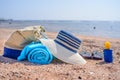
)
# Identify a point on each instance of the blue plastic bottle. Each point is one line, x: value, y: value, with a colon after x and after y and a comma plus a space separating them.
x: 108, y: 55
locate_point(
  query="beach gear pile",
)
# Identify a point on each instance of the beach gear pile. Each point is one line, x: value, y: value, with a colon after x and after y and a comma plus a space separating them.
x: 32, y: 44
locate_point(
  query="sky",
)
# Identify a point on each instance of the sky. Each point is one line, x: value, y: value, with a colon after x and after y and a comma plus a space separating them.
x: 60, y: 9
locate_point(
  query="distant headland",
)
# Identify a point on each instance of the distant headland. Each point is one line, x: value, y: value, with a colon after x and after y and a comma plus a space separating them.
x: 6, y: 20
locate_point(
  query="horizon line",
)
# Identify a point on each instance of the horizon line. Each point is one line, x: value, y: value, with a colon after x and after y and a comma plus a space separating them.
x: 52, y: 20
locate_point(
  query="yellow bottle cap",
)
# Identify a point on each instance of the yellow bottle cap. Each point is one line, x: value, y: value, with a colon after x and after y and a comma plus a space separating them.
x: 107, y: 45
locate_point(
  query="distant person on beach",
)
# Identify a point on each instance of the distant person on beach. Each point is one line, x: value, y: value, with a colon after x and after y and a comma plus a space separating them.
x: 10, y: 22
x: 94, y: 27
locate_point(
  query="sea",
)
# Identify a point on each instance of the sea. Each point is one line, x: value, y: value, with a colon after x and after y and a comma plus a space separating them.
x: 107, y: 29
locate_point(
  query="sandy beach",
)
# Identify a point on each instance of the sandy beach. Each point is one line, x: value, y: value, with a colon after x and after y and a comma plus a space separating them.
x: 93, y: 70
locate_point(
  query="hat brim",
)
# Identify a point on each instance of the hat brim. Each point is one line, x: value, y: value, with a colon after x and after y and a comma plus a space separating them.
x: 62, y: 53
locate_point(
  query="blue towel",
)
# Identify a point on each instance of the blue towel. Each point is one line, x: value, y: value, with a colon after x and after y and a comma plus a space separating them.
x: 11, y: 53
x: 36, y: 53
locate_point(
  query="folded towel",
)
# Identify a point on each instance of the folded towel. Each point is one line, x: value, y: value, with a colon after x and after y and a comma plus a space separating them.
x: 36, y: 53
x: 11, y: 53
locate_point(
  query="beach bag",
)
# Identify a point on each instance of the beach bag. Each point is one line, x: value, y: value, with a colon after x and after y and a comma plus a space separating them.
x: 20, y: 38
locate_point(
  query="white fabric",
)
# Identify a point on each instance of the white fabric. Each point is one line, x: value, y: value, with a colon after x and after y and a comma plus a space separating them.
x: 50, y: 44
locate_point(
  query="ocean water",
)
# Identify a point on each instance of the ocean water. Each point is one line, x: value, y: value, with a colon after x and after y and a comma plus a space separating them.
x: 109, y: 29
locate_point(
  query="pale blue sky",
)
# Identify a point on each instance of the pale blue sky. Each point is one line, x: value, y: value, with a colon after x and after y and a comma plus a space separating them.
x: 60, y: 9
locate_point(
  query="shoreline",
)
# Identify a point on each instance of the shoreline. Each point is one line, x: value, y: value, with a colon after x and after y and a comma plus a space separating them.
x: 8, y: 30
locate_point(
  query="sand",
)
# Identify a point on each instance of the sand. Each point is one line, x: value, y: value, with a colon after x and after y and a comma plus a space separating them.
x: 94, y: 69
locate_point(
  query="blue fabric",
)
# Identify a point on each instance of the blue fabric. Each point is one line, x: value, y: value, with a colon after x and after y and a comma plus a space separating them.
x: 36, y: 53
x: 70, y: 36
x: 108, y: 55
x: 11, y: 53
x: 68, y: 41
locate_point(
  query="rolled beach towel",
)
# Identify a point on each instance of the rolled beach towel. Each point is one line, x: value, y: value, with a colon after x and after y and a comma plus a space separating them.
x: 36, y: 53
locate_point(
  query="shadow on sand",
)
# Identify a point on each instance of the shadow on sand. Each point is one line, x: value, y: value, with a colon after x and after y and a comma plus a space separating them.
x: 25, y: 62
